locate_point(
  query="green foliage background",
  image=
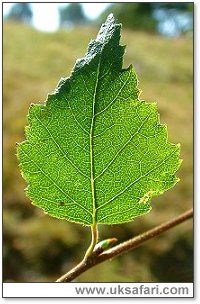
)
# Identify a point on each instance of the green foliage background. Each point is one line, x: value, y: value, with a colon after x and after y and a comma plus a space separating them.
x: 40, y: 248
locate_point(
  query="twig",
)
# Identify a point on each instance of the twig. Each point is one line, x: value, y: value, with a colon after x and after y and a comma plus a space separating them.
x: 95, y: 259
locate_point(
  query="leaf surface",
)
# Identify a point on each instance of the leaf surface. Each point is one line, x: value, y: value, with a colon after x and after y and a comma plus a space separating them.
x: 95, y: 152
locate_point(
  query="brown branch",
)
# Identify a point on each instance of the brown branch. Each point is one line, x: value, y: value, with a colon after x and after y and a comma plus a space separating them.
x: 94, y: 259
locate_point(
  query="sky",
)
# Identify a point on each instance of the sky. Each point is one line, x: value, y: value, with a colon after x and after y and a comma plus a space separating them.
x: 51, y: 20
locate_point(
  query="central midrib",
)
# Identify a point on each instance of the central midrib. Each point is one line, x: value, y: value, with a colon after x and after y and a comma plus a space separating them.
x: 94, y: 220
x: 94, y: 211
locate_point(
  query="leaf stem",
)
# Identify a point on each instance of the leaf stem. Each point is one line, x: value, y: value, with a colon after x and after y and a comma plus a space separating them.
x: 94, y: 240
x: 94, y: 259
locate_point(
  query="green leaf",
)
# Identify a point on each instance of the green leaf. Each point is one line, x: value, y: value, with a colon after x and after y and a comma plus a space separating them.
x: 95, y: 152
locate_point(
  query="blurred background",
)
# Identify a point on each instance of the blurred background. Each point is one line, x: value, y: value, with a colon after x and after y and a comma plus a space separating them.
x: 41, y: 42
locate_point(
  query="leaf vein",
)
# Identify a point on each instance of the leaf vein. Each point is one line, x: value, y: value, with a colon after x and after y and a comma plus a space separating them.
x: 136, y: 180
x: 124, y: 146
x: 116, y: 96
x: 57, y: 186
x: 119, y: 213
x: 63, y: 153
x: 78, y: 123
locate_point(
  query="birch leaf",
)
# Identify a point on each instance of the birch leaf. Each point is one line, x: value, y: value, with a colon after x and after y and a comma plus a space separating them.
x: 94, y: 152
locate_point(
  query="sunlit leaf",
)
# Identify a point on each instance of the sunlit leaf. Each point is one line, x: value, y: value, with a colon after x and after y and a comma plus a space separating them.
x: 95, y: 152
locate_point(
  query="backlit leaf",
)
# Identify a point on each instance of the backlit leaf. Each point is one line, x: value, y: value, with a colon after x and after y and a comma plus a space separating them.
x: 95, y: 152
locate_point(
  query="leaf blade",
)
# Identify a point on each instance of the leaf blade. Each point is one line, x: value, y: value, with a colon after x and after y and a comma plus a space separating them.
x: 96, y: 153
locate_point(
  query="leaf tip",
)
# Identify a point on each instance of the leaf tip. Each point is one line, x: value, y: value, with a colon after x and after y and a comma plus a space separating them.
x: 111, y: 16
